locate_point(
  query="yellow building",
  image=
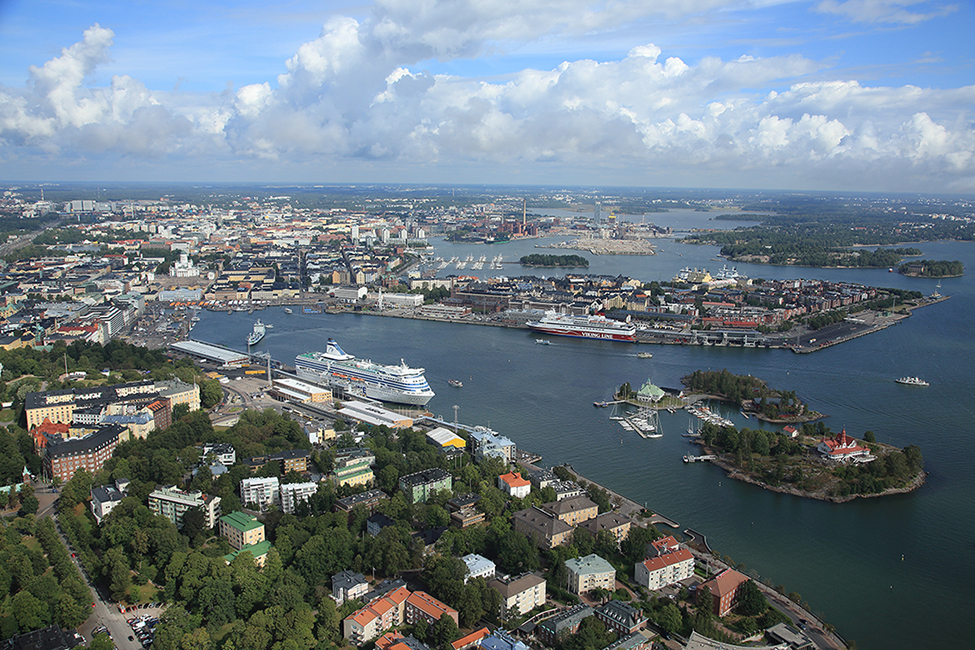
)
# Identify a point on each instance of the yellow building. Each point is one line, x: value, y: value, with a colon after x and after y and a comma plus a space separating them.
x: 572, y: 511
x: 180, y: 393
x: 445, y: 439
x: 588, y: 573
x: 241, y: 530
x: 354, y: 467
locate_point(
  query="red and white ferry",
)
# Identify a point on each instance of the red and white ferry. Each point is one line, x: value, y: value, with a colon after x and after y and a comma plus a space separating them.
x: 586, y: 327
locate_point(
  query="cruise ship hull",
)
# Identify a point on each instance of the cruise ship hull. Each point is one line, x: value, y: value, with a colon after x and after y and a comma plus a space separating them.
x: 583, y: 333
x: 399, y: 384
x: 365, y: 388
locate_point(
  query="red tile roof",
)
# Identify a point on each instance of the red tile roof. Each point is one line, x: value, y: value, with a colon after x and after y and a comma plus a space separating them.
x: 667, y: 559
x: 390, y: 639
x: 665, y: 544
x: 725, y: 582
x: 429, y: 605
x: 470, y: 639
x: 514, y: 479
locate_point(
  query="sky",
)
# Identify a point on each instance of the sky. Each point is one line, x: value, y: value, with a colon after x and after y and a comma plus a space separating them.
x: 848, y: 95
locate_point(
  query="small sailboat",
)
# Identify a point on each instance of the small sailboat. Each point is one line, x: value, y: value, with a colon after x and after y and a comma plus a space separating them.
x: 614, y: 415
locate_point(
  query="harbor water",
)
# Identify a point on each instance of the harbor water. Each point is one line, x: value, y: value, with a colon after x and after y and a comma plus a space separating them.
x: 890, y: 573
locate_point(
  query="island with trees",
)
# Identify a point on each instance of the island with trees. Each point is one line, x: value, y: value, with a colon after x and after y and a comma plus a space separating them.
x: 933, y: 269
x: 840, y: 237
x: 751, y: 395
x: 795, y: 463
x: 559, y: 261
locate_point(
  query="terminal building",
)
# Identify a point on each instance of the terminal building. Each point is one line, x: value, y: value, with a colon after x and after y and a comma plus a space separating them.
x: 374, y: 415
x: 288, y: 388
x: 211, y: 353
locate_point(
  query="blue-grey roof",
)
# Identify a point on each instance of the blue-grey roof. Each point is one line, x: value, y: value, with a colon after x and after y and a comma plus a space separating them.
x: 499, y: 640
x: 589, y: 564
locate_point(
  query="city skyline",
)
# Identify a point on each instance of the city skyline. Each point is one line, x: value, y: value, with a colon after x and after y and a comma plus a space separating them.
x: 872, y: 95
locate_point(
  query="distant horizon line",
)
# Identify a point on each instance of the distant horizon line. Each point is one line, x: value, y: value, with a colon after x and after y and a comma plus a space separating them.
x: 11, y: 184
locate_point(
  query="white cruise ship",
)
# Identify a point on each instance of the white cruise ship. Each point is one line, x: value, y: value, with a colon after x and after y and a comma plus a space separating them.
x: 335, y: 368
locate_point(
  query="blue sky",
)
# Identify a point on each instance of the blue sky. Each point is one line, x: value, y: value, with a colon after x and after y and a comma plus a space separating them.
x: 828, y: 94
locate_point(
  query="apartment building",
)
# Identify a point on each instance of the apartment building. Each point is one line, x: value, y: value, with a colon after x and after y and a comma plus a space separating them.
x: 260, y: 492
x: 294, y: 493
x: 62, y: 460
x: 418, y: 486
x: 588, y: 573
x: 241, y: 529
x: 520, y: 594
x: 174, y: 504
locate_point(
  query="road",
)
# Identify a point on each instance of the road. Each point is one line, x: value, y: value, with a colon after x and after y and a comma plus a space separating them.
x: 105, y: 612
x: 25, y: 240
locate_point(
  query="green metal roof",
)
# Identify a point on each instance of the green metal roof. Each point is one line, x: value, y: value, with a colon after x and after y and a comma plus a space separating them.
x: 257, y: 550
x: 650, y: 393
x: 241, y: 521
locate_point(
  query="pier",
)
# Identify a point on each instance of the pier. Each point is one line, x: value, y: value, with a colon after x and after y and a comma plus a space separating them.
x: 697, y: 459
x: 658, y: 518
x: 699, y: 539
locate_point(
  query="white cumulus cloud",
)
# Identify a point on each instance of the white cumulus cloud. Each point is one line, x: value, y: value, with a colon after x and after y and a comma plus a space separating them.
x: 356, y: 95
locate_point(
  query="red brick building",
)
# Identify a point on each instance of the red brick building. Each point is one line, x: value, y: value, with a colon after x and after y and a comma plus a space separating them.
x: 64, y: 459
x: 47, y: 430
x: 162, y: 413
x: 725, y: 588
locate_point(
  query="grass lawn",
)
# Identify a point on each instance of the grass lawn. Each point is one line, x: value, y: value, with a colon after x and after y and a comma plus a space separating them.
x: 221, y: 633
x: 146, y: 593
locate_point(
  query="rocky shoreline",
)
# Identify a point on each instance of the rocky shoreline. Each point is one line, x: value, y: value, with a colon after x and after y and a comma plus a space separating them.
x: 738, y: 475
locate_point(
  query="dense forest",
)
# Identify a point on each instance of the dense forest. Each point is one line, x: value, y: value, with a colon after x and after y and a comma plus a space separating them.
x: 536, y: 259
